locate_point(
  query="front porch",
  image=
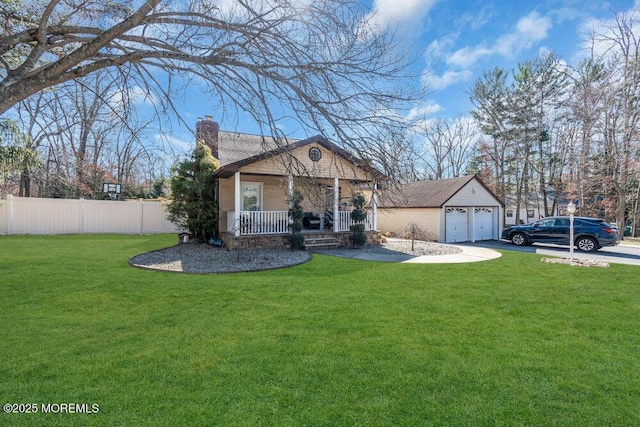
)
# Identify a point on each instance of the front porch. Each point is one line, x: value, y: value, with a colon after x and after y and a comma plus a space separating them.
x: 258, y: 205
x: 251, y: 223
x: 264, y: 241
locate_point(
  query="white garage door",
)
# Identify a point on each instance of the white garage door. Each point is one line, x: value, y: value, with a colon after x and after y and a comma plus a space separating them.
x: 483, y: 223
x: 457, y: 225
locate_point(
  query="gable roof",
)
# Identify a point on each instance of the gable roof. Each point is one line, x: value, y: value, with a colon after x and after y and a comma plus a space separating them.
x: 427, y: 194
x: 236, y: 150
x: 234, y: 147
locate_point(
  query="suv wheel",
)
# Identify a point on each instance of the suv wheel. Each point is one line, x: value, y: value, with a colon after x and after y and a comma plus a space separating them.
x: 519, y: 239
x: 586, y: 244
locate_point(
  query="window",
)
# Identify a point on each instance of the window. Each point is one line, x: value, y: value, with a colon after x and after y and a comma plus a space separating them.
x: 315, y: 154
x: 530, y: 213
x: 251, y: 196
x: 509, y: 213
x: 549, y: 222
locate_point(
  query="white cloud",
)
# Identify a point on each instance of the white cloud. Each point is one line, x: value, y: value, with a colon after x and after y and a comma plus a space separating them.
x: 479, y: 20
x: 135, y: 95
x: 467, y: 56
x: 534, y: 26
x: 448, y: 78
x: 529, y: 30
x: 439, y: 47
x: 423, y: 110
x: 605, y: 30
x: 140, y: 95
x: 177, y: 145
x: 387, y: 13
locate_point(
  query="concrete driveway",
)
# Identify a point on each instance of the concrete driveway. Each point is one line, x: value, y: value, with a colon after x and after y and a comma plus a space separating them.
x: 468, y: 254
x: 621, y: 254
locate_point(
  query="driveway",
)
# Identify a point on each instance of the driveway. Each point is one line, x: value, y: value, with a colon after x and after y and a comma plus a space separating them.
x: 621, y: 254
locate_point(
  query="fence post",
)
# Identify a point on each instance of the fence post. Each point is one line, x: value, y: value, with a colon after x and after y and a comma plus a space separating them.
x: 81, y: 225
x: 9, y: 214
x: 141, y: 216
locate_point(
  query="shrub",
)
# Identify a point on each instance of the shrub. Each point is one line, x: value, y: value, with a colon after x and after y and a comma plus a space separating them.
x: 297, y: 241
x: 193, y: 206
x: 295, y: 216
x: 358, y: 238
x: 358, y: 215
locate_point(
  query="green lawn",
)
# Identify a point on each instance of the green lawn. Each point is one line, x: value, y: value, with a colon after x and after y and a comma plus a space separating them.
x: 335, y: 341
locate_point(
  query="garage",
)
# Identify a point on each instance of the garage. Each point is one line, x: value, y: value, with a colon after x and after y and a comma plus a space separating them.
x: 457, y: 225
x: 453, y: 210
x: 483, y: 223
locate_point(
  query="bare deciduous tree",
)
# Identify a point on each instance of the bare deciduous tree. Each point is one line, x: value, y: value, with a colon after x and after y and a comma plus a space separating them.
x: 323, y: 63
x: 620, y: 122
x: 88, y: 133
x: 449, y: 144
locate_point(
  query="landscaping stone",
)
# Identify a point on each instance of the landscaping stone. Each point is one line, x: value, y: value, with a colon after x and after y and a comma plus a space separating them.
x: 577, y: 262
x: 206, y: 259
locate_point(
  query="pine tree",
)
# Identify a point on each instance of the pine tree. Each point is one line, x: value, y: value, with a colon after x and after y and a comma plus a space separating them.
x: 193, y: 206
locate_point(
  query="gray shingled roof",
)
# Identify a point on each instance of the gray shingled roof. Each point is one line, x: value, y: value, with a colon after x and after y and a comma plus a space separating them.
x: 423, y: 194
x: 234, y: 147
x: 238, y: 149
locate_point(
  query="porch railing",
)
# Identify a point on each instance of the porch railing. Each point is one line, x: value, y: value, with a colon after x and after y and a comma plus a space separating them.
x: 345, y: 222
x: 277, y: 222
x: 258, y: 222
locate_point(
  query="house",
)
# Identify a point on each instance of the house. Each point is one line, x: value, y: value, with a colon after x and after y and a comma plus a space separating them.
x: 531, y: 207
x: 451, y: 210
x: 258, y: 176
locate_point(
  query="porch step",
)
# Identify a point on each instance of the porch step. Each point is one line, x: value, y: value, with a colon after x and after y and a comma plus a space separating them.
x: 311, y: 243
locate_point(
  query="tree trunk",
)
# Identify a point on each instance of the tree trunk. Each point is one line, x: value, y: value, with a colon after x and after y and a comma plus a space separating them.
x: 25, y: 184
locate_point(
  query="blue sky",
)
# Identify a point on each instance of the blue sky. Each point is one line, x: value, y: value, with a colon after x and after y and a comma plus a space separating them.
x: 463, y: 39
x: 457, y: 41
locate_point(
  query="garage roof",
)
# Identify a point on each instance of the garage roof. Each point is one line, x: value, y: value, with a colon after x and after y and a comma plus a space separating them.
x: 426, y: 194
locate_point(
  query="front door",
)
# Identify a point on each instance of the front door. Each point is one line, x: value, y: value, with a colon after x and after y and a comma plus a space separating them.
x: 252, y: 196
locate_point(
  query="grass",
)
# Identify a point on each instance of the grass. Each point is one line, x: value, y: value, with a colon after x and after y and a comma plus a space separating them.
x: 331, y: 342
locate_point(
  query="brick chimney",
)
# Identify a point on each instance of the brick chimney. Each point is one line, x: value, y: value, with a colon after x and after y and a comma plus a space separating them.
x: 207, y: 131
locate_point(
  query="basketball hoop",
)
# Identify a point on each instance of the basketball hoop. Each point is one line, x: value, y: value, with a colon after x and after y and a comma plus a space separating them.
x: 112, y: 189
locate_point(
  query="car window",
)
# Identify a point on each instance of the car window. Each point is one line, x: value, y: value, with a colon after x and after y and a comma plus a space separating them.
x: 562, y: 222
x: 592, y: 220
x: 549, y: 222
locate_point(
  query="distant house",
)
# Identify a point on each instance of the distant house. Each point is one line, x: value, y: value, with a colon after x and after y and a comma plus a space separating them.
x: 453, y: 210
x: 258, y: 176
x: 531, y: 208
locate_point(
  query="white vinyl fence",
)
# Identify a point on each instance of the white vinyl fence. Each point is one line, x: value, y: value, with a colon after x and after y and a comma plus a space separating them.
x: 31, y: 215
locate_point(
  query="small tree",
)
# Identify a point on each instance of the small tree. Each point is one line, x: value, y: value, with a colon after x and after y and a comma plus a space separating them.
x: 358, y: 215
x: 295, y: 214
x: 193, y: 206
x: 415, y: 232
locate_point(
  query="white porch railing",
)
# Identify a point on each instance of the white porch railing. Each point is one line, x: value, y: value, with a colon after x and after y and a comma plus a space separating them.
x: 277, y: 222
x: 345, y: 222
x: 258, y: 222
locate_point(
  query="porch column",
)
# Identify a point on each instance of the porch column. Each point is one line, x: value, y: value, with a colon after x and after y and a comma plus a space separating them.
x: 238, y: 204
x: 290, y: 201
x: 290, y: 191
x: 336, y: 205
x: 374, y: 206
